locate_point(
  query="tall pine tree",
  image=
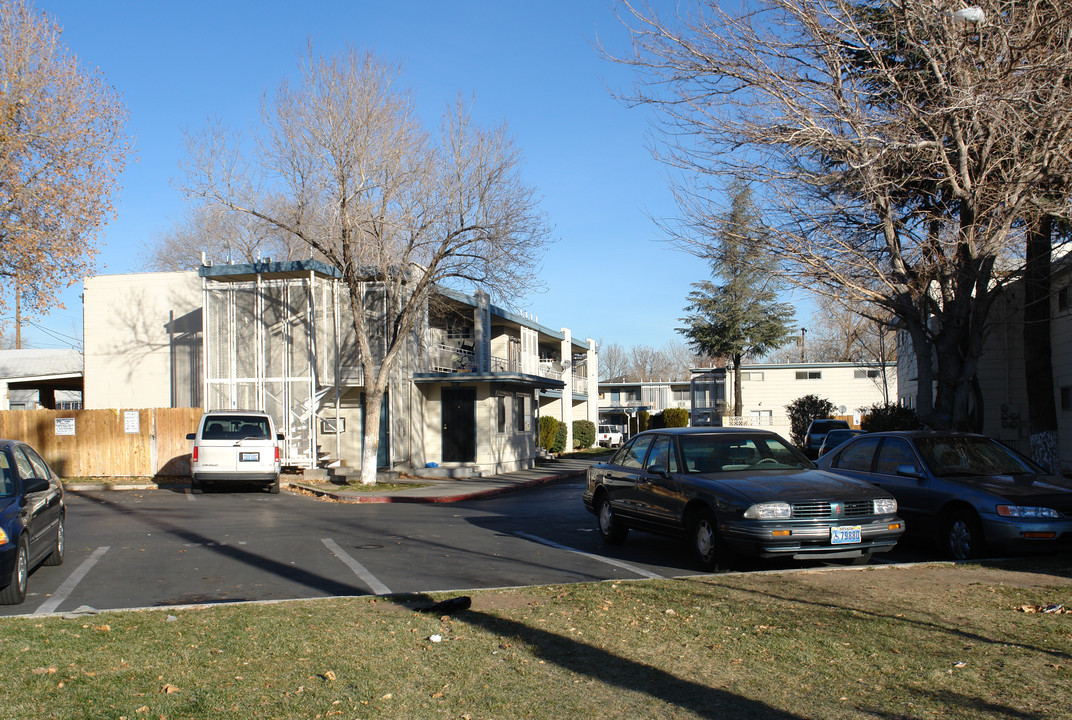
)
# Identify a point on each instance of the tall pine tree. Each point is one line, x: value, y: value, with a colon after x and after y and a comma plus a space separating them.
x: 736, y: 314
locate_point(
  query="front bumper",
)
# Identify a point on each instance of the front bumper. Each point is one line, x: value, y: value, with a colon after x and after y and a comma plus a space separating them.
x: 813, y: 540
x: 1021, y: 534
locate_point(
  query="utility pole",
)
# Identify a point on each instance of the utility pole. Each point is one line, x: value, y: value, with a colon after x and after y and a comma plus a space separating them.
x: 18, y: 315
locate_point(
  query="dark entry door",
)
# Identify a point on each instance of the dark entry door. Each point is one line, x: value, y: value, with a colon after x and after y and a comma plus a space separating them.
x: 459, y: 424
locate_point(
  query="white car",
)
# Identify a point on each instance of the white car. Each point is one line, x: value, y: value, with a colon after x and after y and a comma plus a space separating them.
x: 235, y: 446
x: 608, y: 436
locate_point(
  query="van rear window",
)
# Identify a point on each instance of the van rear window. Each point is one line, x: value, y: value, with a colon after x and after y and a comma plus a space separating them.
x: 236, y: 427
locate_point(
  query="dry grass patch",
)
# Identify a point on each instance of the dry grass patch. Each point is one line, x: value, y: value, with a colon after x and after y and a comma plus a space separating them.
x: 924, y: 642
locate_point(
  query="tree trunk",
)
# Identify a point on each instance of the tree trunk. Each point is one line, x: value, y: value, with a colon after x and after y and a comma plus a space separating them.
x: 738, y: 401
x: 1038, y: 356
x: 371, y: 445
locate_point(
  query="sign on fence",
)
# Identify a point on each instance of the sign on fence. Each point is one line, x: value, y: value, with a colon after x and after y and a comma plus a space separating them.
x: 107, y: 443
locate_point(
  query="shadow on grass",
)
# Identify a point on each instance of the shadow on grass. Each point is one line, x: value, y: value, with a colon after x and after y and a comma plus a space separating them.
x: 597, y: 664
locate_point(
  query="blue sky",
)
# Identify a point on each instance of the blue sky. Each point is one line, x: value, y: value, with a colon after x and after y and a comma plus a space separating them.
x: 532, y: 65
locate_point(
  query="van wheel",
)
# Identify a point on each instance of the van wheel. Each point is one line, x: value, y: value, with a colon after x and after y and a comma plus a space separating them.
x: 273, y: 487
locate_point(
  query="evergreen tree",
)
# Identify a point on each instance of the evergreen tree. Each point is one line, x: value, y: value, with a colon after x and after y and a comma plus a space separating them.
x: 737, y: 313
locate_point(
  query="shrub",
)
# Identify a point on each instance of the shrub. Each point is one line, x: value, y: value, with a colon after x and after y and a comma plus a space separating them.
x: 676, y: 417
x: 881, y: 417
x: 802, y: 411
x: 560, y: 438
x: 656, y: 422
x: 584, y: 434
x: 643, y: 420
x: 548, y: 430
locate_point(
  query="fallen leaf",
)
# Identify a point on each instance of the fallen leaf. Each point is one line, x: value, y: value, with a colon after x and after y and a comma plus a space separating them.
x: 169, y: 689
x: 142, y: 710
x: 330, y: 675
x: 388, y: 696
x: 44, y: 671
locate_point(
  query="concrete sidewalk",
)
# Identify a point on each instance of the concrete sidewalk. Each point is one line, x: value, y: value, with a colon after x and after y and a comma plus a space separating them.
x: 446, y: 490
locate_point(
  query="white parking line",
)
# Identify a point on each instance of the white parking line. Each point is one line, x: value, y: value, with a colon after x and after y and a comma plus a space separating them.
x: 67, y: 587
x: 609, y: 561
x: 377, y: 587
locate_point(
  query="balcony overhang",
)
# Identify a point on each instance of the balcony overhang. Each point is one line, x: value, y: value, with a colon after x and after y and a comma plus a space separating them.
x: 519, y: 380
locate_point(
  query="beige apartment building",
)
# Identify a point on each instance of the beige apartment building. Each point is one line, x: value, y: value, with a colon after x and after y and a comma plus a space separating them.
x: 465, y: 397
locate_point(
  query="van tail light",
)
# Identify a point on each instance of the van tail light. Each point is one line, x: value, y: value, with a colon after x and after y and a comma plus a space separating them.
x: 277, y: 453
x: 194, y: 455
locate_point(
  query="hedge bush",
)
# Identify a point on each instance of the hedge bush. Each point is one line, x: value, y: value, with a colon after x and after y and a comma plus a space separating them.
x: 802, y: 411
x: 881, y: 417
x: 643, y: 421
x: 548, y: 431
x: 675, y: 417
x: 584, y: 434
x: 560, y: 438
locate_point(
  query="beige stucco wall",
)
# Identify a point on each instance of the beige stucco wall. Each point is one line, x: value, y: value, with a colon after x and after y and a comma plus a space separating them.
x: 127, y: 346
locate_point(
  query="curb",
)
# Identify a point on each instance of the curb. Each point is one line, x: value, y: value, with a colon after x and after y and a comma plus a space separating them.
x: 358, y: 498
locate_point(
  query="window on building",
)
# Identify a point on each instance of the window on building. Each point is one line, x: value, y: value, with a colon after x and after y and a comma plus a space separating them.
x: 1066, y: 398
x: 501, y: 411
x: 752, y: 376
x: 1064, y: 297
x: 521, y: 407
x: 861, y: 374
x: 809, y: 374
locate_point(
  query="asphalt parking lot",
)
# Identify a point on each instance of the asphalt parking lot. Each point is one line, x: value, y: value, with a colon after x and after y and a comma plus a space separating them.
x: 153, y: 548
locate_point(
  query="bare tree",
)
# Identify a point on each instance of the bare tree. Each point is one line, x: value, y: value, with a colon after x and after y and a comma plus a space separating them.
x: 344, y: 167
x: 222, y: 235
x: 898, y: 147
x: 62, y: 147
x: 641, y: 363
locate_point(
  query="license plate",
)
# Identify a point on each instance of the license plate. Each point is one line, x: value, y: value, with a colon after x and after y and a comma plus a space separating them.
x: 249, y: 457
x: 845, y: 534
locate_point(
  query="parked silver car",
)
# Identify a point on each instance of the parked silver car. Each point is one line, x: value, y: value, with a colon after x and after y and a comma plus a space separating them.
x: 968, y: 492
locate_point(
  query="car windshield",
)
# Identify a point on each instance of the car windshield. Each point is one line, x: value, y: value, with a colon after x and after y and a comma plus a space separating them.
x: 948, y: 456
x: 236, y: 427
x: 715, y: 453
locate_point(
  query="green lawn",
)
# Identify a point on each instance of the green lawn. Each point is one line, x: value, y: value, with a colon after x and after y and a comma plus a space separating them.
x: 925, y: 642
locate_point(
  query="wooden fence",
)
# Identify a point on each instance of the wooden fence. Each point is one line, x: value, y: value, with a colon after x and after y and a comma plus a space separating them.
x: 107, y: 443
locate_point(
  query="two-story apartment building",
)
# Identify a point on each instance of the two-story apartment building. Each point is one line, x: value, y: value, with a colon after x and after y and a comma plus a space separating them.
x: 766, y: 390
x: 466, y: 393
x: 1001, y: 406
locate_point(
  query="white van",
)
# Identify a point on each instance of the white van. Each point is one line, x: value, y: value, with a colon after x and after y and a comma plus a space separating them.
x: 235, y: 446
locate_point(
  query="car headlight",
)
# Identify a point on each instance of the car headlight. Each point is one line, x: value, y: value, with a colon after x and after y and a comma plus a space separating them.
x: 3, y: 537
x: 769, y: 511
x: 885, y: 506
x: 1024, y: 511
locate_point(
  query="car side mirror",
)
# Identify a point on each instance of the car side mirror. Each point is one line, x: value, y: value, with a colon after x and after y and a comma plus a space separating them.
x: 909, y: 471
x: 35, y: 485
x: 279, y: 436
x: 658, y: 469
x: 191, y: 436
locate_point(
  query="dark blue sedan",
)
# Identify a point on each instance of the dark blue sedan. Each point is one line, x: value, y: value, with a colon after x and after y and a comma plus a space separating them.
x: 968, y: 492
x: 32, y: 514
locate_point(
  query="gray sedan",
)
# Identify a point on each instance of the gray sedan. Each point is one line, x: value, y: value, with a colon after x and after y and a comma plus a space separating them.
x: 968, y: 492
x: 742, y: 491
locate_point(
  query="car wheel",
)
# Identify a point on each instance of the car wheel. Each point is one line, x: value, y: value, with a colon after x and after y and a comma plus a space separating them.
x: 707, y: 546
x: 963, y: 536
x: 611, y: 528
x: 15, y: 591
x: 56, y: 556
x: 273, y: 487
